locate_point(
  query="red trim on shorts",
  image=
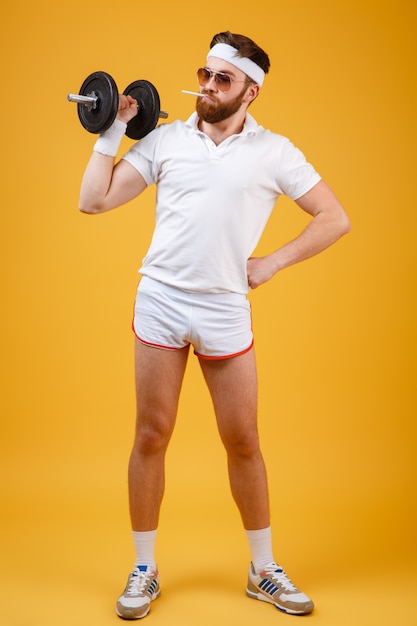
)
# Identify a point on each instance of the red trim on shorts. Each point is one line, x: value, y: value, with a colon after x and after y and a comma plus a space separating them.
x: 155, y: 345
x: 226, y: 356
x: 202, y: 356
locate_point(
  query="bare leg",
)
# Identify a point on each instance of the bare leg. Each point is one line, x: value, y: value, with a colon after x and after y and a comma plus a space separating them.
x: 234, y: 389
x: 159, y: 375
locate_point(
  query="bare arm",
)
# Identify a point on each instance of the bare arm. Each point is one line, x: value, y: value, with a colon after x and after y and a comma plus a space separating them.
x: 106, y: 185
x: 329, y: 223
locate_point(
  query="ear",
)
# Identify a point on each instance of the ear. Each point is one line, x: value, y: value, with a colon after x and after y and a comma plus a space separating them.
x: 252, y: 92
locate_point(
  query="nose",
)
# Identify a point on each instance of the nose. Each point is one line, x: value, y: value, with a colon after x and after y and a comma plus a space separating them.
x: 210, y: 80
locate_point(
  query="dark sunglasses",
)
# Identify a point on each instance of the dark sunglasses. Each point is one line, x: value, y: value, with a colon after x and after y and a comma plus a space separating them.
x: 223, y: 81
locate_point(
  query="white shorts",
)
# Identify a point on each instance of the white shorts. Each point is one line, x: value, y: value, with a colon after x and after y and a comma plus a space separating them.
x: 217, y: 325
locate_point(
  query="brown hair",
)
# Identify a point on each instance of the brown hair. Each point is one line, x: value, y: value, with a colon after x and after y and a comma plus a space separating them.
x: 245, y: 46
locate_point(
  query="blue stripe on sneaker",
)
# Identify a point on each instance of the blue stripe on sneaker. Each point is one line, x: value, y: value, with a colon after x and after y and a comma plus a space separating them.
x: 268, y: 586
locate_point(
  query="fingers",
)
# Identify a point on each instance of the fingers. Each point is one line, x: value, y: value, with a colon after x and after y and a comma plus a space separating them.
x: 259, y: 270
x: 128, y: 108
x: 127, y: 102
x: 252, y: 283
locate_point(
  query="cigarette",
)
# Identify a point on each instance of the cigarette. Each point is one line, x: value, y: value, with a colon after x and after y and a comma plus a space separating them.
x: 193, y: 93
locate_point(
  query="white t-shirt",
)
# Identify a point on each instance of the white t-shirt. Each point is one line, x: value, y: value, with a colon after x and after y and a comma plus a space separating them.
x: 213, y: 202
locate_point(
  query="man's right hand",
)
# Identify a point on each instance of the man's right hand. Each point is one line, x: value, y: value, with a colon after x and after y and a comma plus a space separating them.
x: 128, y: 108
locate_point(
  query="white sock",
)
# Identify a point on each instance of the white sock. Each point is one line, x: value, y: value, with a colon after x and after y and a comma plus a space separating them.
x: 260, y: 546
x: 145, y: 548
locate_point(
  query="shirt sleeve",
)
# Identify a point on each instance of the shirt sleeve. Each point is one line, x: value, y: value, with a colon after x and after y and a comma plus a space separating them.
x: 142, y: 157
x: 296, y: 176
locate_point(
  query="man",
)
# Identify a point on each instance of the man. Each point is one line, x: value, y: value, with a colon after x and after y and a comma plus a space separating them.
x: 219, y: 175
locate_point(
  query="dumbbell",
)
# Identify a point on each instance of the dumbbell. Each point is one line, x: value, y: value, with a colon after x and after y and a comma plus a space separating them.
x: 98, y: 103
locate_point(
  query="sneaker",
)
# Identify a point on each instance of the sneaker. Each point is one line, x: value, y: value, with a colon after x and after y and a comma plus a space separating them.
x: 142, y: 587
x: 273, y: 585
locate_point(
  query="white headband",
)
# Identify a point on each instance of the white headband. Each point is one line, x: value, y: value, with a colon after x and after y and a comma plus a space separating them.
x: 230, y: 54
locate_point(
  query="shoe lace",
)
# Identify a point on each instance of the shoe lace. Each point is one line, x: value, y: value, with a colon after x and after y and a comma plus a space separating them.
x: 137, y: 583
x: 278, y: 575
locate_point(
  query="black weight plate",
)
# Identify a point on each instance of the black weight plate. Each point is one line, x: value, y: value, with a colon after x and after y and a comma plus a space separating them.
x: 149, y: 108
x: 102, y: 117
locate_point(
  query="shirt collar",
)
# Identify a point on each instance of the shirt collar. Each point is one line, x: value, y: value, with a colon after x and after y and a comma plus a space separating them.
x: 249, y: 127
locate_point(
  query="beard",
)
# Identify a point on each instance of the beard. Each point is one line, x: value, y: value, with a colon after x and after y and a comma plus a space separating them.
x: 214, y: 113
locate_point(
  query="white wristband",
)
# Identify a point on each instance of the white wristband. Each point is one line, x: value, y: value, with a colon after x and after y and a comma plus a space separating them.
x: 108, y: 143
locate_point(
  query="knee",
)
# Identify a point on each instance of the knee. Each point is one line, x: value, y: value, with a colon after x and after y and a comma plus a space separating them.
x: 242, y: 445
x: 153, y: 435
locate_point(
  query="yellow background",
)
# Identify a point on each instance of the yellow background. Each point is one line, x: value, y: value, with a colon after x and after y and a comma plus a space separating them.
x: 335, y: 336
